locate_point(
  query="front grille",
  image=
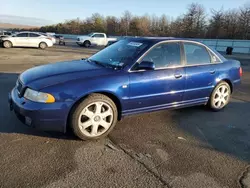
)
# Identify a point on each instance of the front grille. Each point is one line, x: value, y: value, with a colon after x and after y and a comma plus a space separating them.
x: 19, y: 86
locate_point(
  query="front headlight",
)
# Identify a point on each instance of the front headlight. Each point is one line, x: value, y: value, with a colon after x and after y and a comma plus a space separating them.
x: 38, y: 96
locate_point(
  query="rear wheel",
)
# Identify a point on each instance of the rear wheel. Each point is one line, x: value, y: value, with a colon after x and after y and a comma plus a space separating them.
x: 220, y: 96
x: 7, y: 44
x: 42, y: 45
x: 87, y: 44
x: 94, y: 117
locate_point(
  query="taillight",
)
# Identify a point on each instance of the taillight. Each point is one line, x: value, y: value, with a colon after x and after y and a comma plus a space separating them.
x: 49, y: 38
x: 241, y: 72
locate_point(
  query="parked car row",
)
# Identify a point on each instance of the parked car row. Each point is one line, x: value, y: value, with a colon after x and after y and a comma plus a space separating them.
x: 28, y: 39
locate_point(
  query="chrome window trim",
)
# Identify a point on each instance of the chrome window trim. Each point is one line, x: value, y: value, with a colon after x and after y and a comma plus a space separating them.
x: 181, y: 66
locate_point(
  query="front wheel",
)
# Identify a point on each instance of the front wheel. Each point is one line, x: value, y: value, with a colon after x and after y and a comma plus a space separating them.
x: 94, y: 117
x: 7, y: 44
x: 87, y: 44
x: 220, y: 96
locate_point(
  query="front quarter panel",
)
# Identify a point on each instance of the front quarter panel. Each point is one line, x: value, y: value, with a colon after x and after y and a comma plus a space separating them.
x: 75, y: 90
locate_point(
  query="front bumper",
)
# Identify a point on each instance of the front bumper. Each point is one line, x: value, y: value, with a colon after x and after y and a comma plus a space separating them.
x: 48, y: 117
x: 79, y: 43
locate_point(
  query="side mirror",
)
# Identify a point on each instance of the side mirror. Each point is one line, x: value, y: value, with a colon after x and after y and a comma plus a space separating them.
x: 146, y: 65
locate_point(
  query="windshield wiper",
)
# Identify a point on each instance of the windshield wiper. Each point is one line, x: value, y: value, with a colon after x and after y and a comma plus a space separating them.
x: 96, y: 62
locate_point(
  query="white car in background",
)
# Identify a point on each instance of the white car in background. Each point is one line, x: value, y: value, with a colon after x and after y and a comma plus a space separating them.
x: 97, y: 39
x: 27, y: 39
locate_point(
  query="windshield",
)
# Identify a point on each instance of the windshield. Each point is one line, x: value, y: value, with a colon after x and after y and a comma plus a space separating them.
x: 90, y: 34
x: 119, y: 53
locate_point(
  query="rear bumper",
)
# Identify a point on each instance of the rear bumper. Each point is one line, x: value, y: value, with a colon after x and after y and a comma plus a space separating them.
x: 48, y: 117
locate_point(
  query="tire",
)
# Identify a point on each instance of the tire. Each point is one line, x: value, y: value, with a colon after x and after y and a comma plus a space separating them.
x: 94, y: 117
x: 7, y: 44
x: 87, y: 44
x: 43, y: 45
x: 220, y: 96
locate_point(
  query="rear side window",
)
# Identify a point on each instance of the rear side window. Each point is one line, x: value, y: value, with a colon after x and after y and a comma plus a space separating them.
x: 196, y: 54
x: 34, y: 35
x: 22, y: 35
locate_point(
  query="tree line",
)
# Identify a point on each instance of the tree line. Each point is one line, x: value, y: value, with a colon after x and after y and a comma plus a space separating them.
x: 196, y: 22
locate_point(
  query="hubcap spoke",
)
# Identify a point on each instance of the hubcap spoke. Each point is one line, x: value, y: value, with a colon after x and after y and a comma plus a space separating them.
x: 106, y: 114
x: 222, y: 89
x: 216, y: 99
x: 94, y: 130
x: 105, y: 124
x: 219, y: 103
x: 88, y: 113
x: 86, y: 124
x: 98, y: 107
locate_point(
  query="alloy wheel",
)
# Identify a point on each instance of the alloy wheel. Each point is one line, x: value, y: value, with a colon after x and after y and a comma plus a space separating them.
x: 95, y: 119
x: 221, y: 96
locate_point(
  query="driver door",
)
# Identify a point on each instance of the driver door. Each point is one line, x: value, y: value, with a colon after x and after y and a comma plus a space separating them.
x: 21, y: 39
x: 159, y: 88
x: 98, y: 39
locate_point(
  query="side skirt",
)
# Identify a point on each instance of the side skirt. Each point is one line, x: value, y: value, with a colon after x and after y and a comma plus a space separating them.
x: 175, y: 105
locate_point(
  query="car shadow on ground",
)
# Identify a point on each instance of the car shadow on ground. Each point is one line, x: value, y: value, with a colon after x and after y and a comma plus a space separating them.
x: 226, y: 131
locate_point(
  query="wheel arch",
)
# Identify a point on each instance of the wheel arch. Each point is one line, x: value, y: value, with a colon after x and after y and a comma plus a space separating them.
x: 111, y: 95
x: 87, y: 40
x: 228, y: 81
x: 12, y: 44
x: 42, y: 42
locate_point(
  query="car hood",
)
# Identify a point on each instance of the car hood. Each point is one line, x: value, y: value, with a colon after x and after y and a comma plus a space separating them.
x: 61, y: 72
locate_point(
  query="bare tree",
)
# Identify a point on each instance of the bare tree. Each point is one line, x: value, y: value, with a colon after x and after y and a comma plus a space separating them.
x: 244, y: 21
x: 194, y: 21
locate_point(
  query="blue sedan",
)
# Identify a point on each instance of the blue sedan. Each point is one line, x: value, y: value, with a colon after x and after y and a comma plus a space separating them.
x: 131, y: 76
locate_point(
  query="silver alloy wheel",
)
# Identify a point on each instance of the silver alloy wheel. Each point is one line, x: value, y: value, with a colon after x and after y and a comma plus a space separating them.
x: 42, y: 45
x: 221, y: 96
x: 95, y: 119
x: 7, y: 44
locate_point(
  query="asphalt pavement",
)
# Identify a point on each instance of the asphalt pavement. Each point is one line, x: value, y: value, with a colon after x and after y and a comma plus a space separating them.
x: 191, y: 147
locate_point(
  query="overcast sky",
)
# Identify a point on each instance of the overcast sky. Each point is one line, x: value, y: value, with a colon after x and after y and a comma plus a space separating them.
x: 53, y: 11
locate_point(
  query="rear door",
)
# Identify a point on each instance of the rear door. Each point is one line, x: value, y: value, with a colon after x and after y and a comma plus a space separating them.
x: 21, y: 39
x: 34, y: 39
x: 162, y: 87
x: 200, y: 71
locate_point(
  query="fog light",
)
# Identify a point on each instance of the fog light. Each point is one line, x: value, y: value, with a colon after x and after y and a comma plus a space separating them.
x: 28, y: 120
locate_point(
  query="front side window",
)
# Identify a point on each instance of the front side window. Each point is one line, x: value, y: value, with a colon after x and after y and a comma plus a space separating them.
x: 98, y: 36
x: 22, y: 35
x: 165, y: 55
x: 120, y: 53
x: 196, y: 54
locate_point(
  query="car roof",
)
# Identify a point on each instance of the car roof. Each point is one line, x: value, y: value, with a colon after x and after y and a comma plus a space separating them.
x: 160, y: 39
x: 29, y: 32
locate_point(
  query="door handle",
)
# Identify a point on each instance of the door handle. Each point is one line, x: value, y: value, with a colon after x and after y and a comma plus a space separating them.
x: 212, y: 71
x: 178, y: 75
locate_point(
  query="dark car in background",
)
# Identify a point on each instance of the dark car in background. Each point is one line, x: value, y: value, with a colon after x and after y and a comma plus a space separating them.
x: 131, y: 76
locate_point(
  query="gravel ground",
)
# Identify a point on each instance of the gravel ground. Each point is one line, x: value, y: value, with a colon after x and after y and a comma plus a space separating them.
x: 190, y: 147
